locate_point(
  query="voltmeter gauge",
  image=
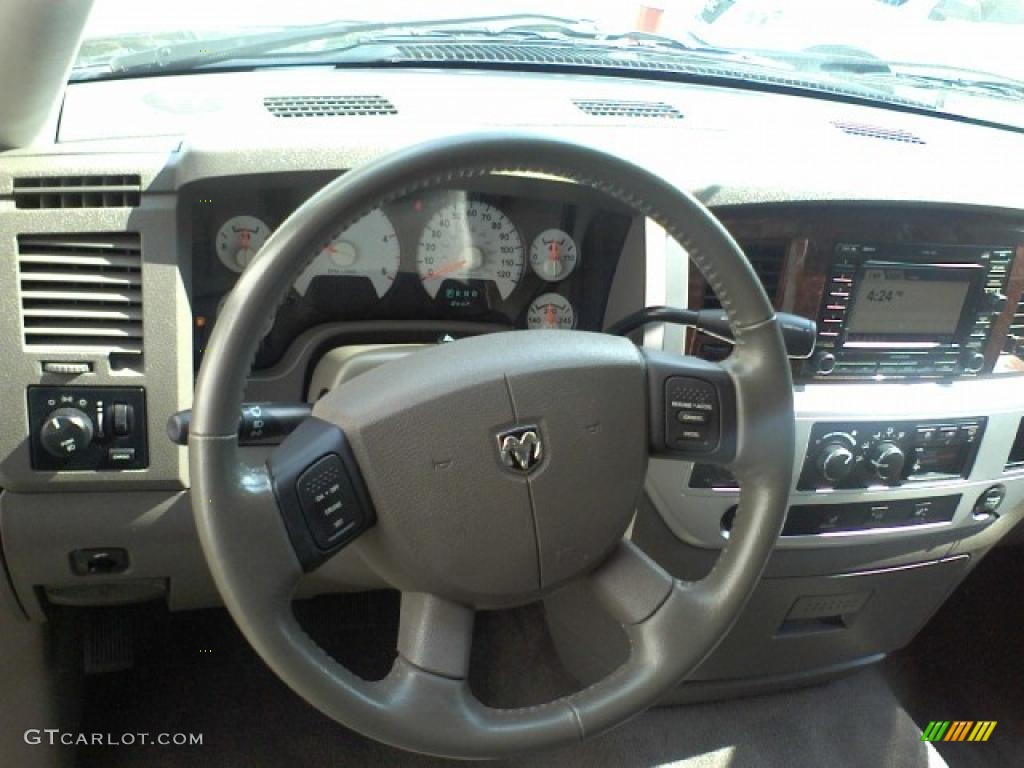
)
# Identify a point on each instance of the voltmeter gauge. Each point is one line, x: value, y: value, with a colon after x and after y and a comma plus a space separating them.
x: 551, y: 310
x: 553, y: 255
x: 239, y: 240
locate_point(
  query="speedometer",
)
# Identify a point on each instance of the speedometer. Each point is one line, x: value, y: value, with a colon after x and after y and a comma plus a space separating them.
x: 369, y: 248
x: 470, y: 240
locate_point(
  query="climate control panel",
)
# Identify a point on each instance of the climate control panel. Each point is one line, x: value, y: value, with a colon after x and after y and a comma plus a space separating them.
x: 866, y: 454
x: 87, y: 428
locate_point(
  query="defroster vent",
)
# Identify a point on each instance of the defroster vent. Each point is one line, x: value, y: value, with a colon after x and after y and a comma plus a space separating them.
x: 81, y: 291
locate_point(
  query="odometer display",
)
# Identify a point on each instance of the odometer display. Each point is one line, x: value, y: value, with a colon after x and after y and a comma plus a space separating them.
x: 470, y: 240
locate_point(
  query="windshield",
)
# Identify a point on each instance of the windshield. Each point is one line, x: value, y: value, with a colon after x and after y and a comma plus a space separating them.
x: 956, y: 56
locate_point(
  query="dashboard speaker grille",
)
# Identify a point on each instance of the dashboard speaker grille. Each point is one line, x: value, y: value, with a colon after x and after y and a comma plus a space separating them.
x: 82, y: 291
x: 767, y: 260
x: 329, y: 106
x: 658, y: 110
x: 77, y: 192
x: 877, y: 132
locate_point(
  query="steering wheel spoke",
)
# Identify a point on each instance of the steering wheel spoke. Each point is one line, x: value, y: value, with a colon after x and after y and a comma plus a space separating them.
x: 435, y: 634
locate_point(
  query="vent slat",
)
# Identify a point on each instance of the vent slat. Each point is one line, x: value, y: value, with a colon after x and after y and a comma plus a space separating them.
x: 634, y: 110
x: 329, y: 106
x: 82, y: 278
x: 86, y: 244
x: 87, y: 295
x: 113, y: 261
x: 84, y: 312
x: 81, y: 291
x: 119, y: 191
x: 83, y: 329
x: 61, y: 345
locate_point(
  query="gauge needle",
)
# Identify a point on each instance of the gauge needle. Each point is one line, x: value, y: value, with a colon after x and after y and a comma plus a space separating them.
x: 549, y: 315
x: 442, y: 271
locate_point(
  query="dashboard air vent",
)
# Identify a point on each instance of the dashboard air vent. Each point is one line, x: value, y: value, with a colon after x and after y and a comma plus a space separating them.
x: 658, y: 110
x: 1016, y: 457
x: 329, y: 106
x: 877, y: 132
x: 77, y: 192
x: 82, y: 291
x: 767, y: 260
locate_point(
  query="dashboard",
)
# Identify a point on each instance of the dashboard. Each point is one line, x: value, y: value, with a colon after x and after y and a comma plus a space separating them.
x: 124, y: 237
x: 510, y: 252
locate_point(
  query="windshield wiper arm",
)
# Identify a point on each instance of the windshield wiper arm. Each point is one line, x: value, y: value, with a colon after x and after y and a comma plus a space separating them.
x: 202, y: 52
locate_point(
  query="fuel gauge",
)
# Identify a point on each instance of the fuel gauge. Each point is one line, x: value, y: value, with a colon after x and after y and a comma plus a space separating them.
x: 551, y: 310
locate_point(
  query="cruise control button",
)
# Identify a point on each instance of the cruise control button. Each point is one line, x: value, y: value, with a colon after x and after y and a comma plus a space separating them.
x: 329, y: 502
x: 687, y: 417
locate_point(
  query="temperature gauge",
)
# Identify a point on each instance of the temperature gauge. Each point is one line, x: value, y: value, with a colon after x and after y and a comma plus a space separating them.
x: 551, y: 311
x: 553, y: 255
x: 239, y: 240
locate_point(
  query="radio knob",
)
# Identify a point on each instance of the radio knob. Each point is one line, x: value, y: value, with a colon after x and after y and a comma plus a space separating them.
x: 836, y: 462
x: 972, y: 360
x: 888, y: 459
x: 825, y: 363
x: 65, y: 432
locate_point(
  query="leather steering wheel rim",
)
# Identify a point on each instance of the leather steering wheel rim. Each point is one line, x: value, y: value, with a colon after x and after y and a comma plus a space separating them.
x: 425, y: 704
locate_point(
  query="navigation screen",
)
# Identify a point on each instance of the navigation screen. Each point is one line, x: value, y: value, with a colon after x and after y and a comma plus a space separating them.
x: 895, y: 301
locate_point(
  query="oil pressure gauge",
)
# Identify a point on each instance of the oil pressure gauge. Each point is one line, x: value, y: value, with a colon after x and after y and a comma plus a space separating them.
x: 239, y: 240
x: 553, y: 255
x: 551, y: 310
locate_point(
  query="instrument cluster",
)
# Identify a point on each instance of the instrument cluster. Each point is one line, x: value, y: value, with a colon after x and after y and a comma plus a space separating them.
x: 535, y: 261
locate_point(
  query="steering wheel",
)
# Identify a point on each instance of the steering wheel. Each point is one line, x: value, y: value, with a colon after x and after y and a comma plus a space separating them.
x: 488, y: 472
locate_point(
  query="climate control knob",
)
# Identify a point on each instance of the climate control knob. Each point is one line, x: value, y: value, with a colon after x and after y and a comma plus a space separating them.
x: 836, y: 462
x: 65, y: 432
x: 887, y: 460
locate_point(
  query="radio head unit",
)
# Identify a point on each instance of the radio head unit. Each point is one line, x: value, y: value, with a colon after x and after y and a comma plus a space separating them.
x: 905, y: 310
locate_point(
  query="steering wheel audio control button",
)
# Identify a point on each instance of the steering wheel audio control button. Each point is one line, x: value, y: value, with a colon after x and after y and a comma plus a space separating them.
x: 692, y: 406
x: 329, y: 502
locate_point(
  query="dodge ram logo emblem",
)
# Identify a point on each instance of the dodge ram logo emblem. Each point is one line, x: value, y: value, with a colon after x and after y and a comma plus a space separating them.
x: 520, y: 448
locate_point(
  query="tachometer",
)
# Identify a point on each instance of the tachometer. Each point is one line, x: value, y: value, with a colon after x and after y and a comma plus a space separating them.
x: 369, y: 248
x: 551, y: 310
x: 470, y: 240
x: 238, y: 241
